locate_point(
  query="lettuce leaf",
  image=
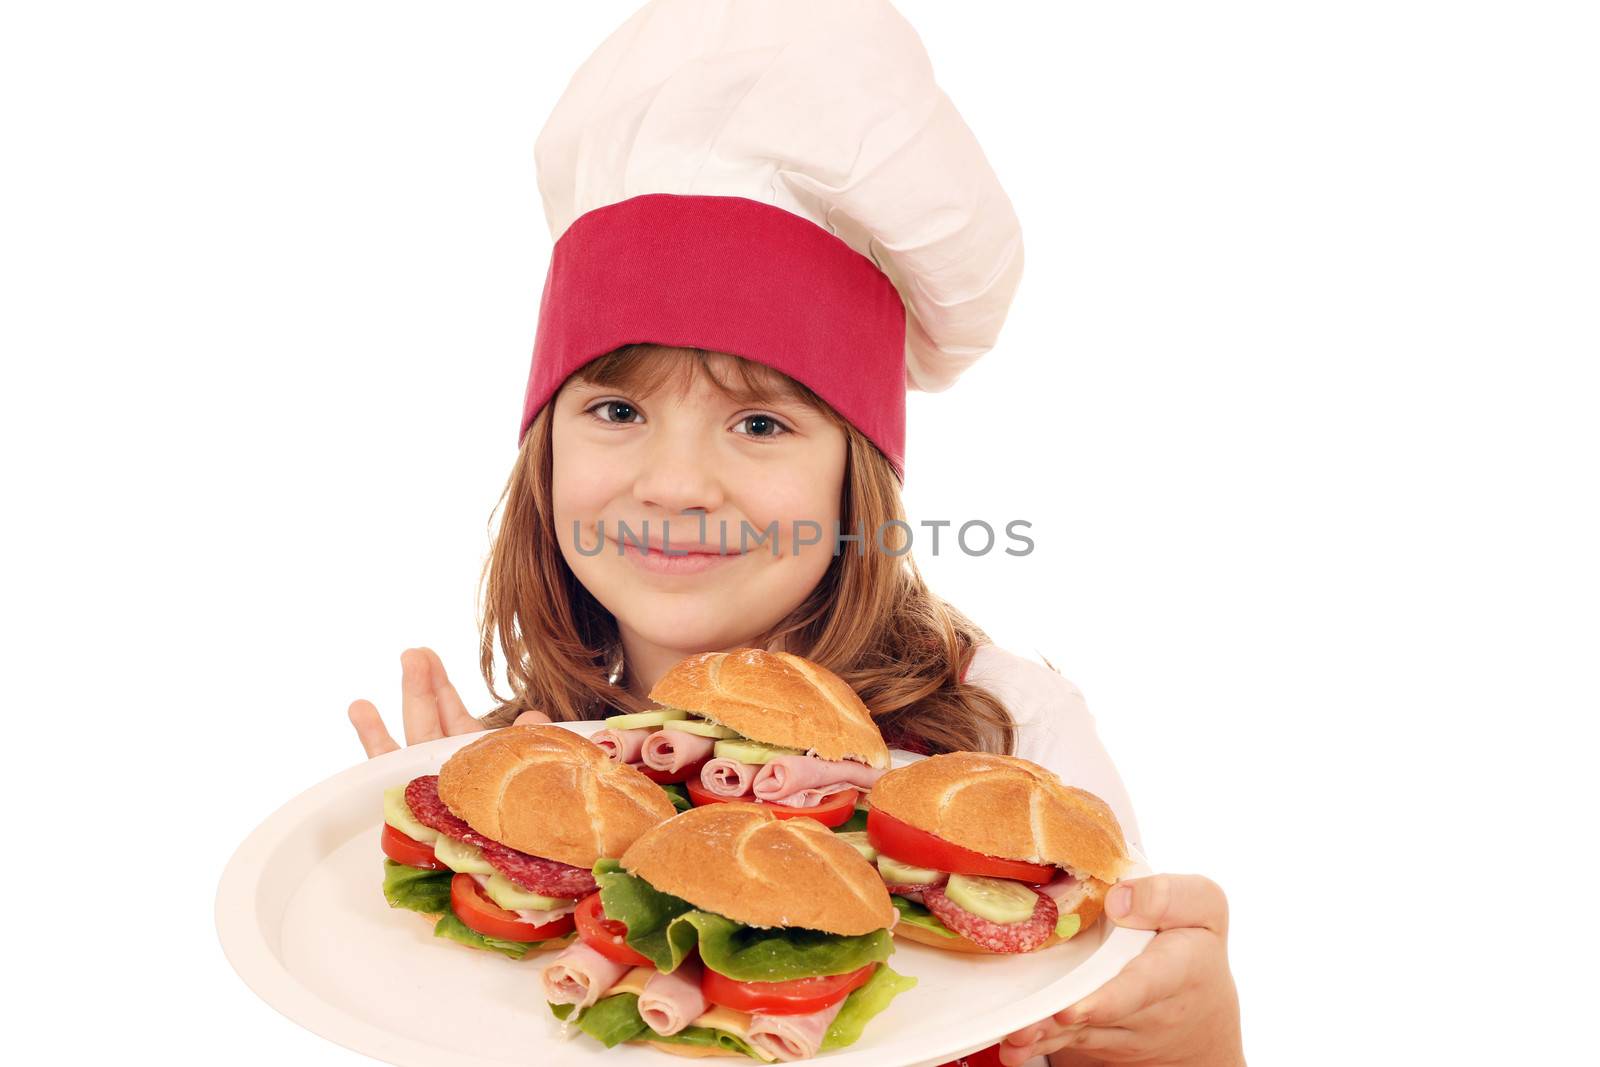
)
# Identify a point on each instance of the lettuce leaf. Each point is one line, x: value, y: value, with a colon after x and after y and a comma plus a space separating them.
x: 620, y: 1021
x: 856, y: 822
x: 453, y: 928
x: 678, y: 795
x: 667, y: 929
x: 705, y: 1037
x: 429, y: 893
x: 416, y: 889
x: 916, y: 915
x: 862, y: 1004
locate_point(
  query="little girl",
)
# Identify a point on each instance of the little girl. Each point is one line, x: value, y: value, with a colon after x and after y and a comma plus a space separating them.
x: 769, y: 221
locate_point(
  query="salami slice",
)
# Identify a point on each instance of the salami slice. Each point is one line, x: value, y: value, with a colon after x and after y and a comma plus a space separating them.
x: 1024, y: 936
x: 533, y: 873
x: 537, y: 875
x: 907, y: 890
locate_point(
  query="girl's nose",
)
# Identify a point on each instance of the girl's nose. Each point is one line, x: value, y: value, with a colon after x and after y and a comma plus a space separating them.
x: 678, y: 473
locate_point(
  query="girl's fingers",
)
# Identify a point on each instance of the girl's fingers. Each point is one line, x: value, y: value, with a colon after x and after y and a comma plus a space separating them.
x: 370, y: 729
x: 1155, y: 974
x: 418, y: 704
x: 1169, y: 901
x: 456, y: 718
x: 1100, y: 1041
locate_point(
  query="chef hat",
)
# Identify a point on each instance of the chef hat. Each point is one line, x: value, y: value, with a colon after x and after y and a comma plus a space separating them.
x: 782, y: 181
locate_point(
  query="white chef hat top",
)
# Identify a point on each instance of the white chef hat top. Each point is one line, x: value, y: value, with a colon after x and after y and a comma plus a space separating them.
x: 826, y: 109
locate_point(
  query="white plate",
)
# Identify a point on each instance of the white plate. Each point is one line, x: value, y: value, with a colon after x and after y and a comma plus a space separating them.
x: 303, y: 921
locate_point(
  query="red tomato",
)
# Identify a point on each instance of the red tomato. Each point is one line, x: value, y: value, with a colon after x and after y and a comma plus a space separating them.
x: 408, y: 850
x: 918, y: 848
x: 672, y: 777
x: 833, y: 811
x: 480, y: 913
x: 605, y: 935
x: 802, y: 996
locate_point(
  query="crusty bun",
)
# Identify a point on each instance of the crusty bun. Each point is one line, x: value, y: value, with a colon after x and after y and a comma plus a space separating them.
x: 550, y: 793
x: 743, y: 862
x: 777, y: 699
x: 1006, y: 807
x: 1088, y: 906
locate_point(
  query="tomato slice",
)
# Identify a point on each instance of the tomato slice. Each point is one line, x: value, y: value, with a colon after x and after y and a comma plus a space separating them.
x: 918, y: 848
x: 480, y: 913
x: 802, y: 996
x: 605, y: 935
x: 833, y: 811
x: 691, y: 772
x: 408, y: 850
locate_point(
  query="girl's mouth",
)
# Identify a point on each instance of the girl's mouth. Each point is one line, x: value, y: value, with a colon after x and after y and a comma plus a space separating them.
x: 692, y: 562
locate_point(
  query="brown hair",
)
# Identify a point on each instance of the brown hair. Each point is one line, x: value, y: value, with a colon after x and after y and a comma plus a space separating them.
x: 900, y: 647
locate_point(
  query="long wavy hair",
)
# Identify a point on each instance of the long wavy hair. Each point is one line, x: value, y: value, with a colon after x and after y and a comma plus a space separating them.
x: 871, y: 619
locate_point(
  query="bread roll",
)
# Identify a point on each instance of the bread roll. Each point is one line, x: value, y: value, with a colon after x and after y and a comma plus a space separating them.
x: 777, y: 699
x: 1006, y: 807
x: 743, y: 862
x: 550, y: 793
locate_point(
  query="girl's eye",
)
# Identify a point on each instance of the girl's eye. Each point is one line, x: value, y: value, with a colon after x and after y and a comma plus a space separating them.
x: 762, y: 426
x: 623, y: 411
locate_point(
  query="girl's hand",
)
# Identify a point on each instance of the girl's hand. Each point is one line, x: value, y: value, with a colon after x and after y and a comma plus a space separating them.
x: 1172, y: 1005
x: 428, y: 702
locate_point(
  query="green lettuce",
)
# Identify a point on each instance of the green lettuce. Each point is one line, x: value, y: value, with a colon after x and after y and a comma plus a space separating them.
x: 616, y: 1019
x: 678, y: 795
x: 862, y: 1004
x: 705, y: 1037
x: 915, y: 914
x: 667, y: 929
x: 429, y: 893
x: 453, y: 928
x: 856, y: 822
x: 416, y: 889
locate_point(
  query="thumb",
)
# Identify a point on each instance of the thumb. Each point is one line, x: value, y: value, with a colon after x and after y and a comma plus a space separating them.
x: 530, y: 718
x: 1169, y: 902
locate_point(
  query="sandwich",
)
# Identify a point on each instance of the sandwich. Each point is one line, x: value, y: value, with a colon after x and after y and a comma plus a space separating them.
x: 986, y: 853
x: 751, y: 725
x: 730, y: 931
x: 498, y: 848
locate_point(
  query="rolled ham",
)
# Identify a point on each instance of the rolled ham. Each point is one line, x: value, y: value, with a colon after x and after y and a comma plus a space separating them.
x: 673, y: 750
x: 727, y: 778
x: 580, y: 975
x: 804, y: 781
x: 672, y: 1001
x: 792, y: 1037
x: 621, y: 745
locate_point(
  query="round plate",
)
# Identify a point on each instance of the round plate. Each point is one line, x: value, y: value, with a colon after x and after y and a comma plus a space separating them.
x: 303, y: 921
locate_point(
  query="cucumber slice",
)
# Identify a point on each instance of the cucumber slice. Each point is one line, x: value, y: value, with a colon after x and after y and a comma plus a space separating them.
x: 999, y: 900
x: 751, y: 751
x: 460, y: 856
x: 1067, y: 925
x: 704, y: 729
x: 857, y: 839
x: 905, y: 874
x: 398, y: 815
x: 641, y: 719
x: 506, y: 893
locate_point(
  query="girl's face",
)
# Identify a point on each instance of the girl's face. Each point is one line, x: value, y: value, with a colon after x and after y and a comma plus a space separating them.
x: 670, y: 457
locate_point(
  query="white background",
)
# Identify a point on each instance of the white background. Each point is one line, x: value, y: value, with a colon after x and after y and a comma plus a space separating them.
x: 1298, y: 393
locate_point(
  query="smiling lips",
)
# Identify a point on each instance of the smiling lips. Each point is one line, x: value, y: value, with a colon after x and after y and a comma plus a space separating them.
x: 694, y: 560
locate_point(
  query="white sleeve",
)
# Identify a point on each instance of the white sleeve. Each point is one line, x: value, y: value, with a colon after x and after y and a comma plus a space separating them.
x: 1054, y: 727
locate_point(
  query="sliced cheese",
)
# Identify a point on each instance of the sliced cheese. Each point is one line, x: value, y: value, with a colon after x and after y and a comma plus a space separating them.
x: 632, y: 982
